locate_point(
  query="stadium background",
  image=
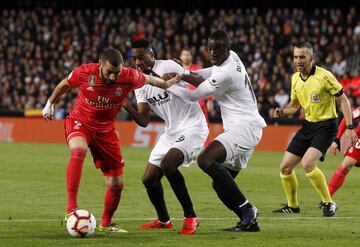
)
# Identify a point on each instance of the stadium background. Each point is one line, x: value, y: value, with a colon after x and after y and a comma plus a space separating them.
x: 43, y: 40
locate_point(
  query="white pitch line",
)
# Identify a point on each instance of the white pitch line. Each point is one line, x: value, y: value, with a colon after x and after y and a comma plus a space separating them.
x: 205, y: 218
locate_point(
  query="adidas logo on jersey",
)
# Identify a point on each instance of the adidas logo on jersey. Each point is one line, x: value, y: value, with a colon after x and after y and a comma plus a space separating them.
x: 90, y: 89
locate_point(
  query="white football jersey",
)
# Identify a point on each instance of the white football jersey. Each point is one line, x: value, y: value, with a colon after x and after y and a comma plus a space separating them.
x: 229, y: 83
x: 177, y: 113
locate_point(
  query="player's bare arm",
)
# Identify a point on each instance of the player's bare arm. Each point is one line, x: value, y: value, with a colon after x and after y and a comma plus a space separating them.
x: 290, y: 109
x: 350, y: 134
x: 60, y: 89
x: 203, y: 90
x: 141, y: 115
x: 161, y: 83
x: 192, y: 78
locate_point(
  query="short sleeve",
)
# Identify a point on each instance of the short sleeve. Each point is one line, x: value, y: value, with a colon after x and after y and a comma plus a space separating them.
x: 174, y: 67
x: 204, y: 73
x: 74, y: 77
x: 293, y: 95
x: 331, y: 84
x: 136, y: 78
x: 139, y: 94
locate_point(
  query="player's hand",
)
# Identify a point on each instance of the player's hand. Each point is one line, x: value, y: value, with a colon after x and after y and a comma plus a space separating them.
x: 48, y: 111
x: 334, y: 148
x: 351, y: 137
x: 168, y: 76
x: 125, y: 103
x: 174, y: 80
x: 278, y: 112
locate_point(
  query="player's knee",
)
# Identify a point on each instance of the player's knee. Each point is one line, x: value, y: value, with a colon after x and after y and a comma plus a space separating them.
x: 116, y: 188
x: 148, y: 181
x: 286, y: 170
x: 168, y: 168
x: 308, y: 165
x: 78, y: 153
x: 348, y: 166
x: 203, y: 162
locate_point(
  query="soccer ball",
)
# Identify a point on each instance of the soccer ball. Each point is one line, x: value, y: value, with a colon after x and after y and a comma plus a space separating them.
x: 81, y: 224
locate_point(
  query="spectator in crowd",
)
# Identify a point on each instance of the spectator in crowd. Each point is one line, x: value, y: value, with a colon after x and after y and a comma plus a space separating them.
x: 43, y: 44
x: 281, y: 98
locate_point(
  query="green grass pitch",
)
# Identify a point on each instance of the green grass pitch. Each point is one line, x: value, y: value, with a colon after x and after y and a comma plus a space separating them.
x: 33, y: 199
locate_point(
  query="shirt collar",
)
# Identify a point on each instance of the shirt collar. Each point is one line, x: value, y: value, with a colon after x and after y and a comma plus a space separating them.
x: 312, y: 72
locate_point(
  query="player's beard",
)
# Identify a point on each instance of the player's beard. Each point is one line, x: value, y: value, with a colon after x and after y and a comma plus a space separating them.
x: 107, y: 81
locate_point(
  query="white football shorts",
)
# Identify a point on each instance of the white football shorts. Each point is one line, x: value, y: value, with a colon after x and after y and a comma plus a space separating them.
x: 239, y: 144
x: 189, y: 141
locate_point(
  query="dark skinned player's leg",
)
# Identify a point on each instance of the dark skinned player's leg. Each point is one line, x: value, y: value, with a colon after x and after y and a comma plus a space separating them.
x: 169, y: 165
x: 226, y: 198
x: 152, y: 182
x: 210, y: 162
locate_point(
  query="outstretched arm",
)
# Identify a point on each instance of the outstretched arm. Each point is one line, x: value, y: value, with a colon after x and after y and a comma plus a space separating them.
x: 60, y: 89
x: 161, y: 83
x: 217, y: 84
x: 202, y: 91
x: 193, y: 78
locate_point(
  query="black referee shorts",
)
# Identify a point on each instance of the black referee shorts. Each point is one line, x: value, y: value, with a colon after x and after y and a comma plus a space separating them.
x: 317, y: 135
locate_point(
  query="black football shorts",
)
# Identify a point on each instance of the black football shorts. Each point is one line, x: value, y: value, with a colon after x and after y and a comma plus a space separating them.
x: 317, y: 135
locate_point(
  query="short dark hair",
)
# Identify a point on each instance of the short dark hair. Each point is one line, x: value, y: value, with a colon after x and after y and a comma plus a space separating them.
x: 186, y: 49
x: 113, y: 56
x: 220, y: 35
x: 304, y: 44
x: 141, y: 43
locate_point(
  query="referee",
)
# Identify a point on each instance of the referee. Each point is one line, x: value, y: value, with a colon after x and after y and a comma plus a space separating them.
x: 314, y: 89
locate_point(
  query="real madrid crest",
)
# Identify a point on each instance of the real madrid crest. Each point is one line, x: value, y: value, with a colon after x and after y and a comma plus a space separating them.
x: 118, y: 91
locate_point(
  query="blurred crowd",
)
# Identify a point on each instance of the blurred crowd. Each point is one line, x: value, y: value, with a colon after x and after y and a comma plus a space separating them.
x: 41, y: 46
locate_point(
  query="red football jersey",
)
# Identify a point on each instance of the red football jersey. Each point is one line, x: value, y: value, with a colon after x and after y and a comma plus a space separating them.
x: 97, y: 102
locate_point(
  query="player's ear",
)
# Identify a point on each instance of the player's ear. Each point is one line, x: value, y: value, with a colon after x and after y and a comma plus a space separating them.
x: 151, y: 52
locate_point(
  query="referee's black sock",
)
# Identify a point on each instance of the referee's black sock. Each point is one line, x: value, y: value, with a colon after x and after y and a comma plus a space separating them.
x: 178, y: 185
x: 227, y: 188
x: 156, y: 196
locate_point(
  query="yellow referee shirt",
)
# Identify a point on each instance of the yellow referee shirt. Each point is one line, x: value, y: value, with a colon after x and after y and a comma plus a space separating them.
x: 316, y: 94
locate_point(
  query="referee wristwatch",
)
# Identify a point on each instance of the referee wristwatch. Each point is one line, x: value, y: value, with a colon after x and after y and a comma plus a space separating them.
x: 350, y: 126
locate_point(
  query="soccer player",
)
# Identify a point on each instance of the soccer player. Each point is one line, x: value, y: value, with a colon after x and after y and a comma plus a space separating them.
x: 314, y: 89
x: 228, y: 81
x: 352, y: 155
x: 185, y: 133
x: 103, y: 87
x: 186, y: 59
